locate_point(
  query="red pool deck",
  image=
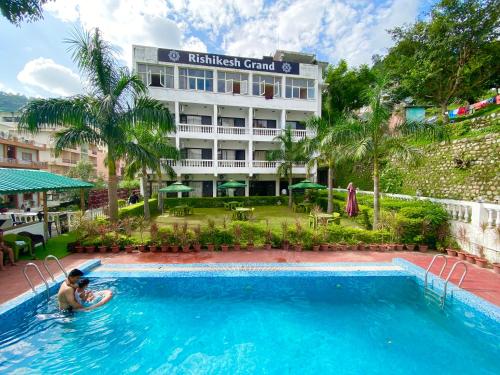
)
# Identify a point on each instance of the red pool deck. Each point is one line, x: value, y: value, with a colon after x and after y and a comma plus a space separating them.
x: 482, y: 282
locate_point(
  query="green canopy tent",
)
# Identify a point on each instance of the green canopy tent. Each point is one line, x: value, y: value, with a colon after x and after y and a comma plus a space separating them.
x: 14, y: 181
x: 231, y: 185
x: 307, y: 184
x: 176, y: 187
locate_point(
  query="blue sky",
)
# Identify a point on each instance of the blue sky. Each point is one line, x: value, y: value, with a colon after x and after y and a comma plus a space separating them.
x: 35, y: 60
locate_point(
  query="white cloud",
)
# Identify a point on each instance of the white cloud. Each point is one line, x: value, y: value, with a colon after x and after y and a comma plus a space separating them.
x: 45, y: 74
x: 7, y: 89
x: 194, y: 44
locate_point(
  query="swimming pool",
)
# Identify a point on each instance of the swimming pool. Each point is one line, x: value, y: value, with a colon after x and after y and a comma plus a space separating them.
x: 245, y: 320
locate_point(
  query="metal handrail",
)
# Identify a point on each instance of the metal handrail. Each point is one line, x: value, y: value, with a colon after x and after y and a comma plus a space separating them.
x: 58, y: 263
x: 430, y: 265
x: 41, y: 276
x: 443, y: 297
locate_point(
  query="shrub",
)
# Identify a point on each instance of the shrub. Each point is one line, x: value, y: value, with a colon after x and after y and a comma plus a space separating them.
x: 138, y: 209
x: 210, y: 202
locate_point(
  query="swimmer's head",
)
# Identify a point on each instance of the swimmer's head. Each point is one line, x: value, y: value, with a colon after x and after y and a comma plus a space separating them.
x: 83, y: 283
x: 74, y: 276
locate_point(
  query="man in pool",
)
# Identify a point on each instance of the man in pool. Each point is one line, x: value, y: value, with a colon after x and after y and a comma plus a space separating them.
x: 66, y: 294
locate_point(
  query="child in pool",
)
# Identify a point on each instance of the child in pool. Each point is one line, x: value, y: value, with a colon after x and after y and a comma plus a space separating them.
x: 83, y: 296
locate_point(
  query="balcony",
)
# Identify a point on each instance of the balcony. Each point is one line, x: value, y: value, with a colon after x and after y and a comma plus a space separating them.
x: 266, y: 132
x: 198, y: 163
x: 197, y: 129
x: 232, y: 130
x: 17, y: 163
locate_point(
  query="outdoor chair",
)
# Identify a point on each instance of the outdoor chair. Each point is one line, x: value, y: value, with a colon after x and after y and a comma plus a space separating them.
x: 18, y: 244
x: 36, y: 239
x: 313, y: 221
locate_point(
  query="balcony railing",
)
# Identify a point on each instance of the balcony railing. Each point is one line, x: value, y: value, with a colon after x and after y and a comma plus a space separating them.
x: 265, y: 164
x: 196, y: 163
x: 300, y: 133
x: 27, y: 163
x: 203, y: 163
x: 191, y: 128
x: 232, y: 130
x: 266, y: 132
x: 232, y: 163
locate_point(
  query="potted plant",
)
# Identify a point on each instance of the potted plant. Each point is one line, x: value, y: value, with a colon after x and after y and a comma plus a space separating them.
x: 102, y: 230
x: 185, y: 239
x: 115, y: 244
x: 400, y: 247
x: 126, y: 224
x: 316, y: 239
x: 211, y: 234
x: 175, y: 238
x: 451, y: 252
x: 237, y: 237
x: 323, y: 240
x: 89, y: 246
x: 163, y: 238
x: 154, y: 238
x: 196, y: 238
x: 141, y: 226
x: 284, y: 235
x: 250, y: 238
x: 269, y: 239
x: 461, y: 255
x: 373, y: 247
x: 299, y: 232
x: 471, y: 258
x: 481, y: 262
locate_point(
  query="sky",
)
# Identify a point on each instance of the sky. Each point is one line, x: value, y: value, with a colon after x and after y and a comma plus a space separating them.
x: 34, y: 59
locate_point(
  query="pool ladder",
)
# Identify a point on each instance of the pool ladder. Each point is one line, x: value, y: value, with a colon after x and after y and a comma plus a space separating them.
x: 37, y: 269
x: 442, y: 298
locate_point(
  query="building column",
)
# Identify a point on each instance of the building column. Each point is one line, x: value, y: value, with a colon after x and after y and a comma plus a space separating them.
x: 177, y: 121
x: 214, y: 186
x: 283, y: 119
x: 283, y: 86
x: 277, y: 187
x: 214, y: 121
x: 179, y: 179
x: 216, y: 86
x: 247, y: 187
x: 215, y: 156
x: 176, y: 77
x: 250, y: 157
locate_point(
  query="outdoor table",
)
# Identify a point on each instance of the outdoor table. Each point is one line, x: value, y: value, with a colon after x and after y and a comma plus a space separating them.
x: 241, y: 213
x: 326, y: 218
x: 231, y: 205
x: 181, y: 210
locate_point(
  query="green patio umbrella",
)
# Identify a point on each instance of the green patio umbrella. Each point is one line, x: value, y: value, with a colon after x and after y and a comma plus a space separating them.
x: 307, y: 184
x: 231, y: 184
x: 176, y: 187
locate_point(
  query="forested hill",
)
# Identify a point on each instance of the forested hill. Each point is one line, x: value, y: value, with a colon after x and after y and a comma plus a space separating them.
x: 11, y: 102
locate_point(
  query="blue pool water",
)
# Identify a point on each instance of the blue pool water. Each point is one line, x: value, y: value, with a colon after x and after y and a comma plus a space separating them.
x: 254, y: 325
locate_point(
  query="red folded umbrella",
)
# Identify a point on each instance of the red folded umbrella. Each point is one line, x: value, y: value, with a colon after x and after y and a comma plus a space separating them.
x: 351, y: 208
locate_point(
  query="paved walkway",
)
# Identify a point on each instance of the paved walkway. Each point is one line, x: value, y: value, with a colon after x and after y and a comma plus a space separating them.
x: 482, y: 282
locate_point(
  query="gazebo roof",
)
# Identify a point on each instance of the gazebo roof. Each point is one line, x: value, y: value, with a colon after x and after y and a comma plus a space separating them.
x: 30, y: 180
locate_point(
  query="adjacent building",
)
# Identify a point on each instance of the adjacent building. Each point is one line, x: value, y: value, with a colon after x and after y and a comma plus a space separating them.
x: 228, y: 111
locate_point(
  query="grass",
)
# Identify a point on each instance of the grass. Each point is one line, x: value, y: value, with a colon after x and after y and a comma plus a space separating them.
x: 57, y: 246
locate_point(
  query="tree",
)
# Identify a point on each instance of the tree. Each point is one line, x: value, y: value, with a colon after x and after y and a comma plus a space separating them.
x: 290, y: 152
x: 325, y: 148
x: 156, y: 147
x: 369, y: 138
x: 105, y: 115
x: 17, y: 11
x: 447, y: 56
x: 345, y: 87
x: 83, y: 170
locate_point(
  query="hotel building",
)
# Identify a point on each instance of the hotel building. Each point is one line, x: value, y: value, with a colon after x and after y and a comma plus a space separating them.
x: 228, y: 111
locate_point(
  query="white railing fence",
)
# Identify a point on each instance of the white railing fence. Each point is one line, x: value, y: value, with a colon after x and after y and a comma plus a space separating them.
x: 190, y: 128
x: 474, y: 225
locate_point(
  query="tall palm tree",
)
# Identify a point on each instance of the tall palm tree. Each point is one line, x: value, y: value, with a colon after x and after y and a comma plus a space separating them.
x: 157, y: 148
x: 290, y: 152
x: 324, y: 149
x: 105, y: 114
x: 370, y: 138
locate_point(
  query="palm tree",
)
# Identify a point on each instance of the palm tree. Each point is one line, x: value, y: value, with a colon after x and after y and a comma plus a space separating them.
x: 370, y: 138
x: 324, y: 148
x: 114, y: 101
x: 289, y: 153
x: 156, y: 148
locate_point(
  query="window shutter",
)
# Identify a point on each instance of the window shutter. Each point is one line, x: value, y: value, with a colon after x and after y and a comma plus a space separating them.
x: 229, y: 85
x: 244, y: 87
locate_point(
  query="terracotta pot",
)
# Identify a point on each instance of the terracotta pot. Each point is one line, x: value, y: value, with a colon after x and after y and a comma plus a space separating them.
x: 267, y: 246
x: 423, y: 248
x: 89, y: 249
x: 79, y: 249
x: 383, y: 247
x: 210, y: 247
x: 373, y: 247
x: 451, y: 252
x: 470, y: 258
x: 115, y: 249
x: 333, y: 247
x: 164, y: 248
x: 129, y: 248
x: 236, y: 247
x: 224, y: 247
x: 393, y: 247
x: 286, y: 245
x: 324, y: 247
x: 410, y: 246
x: 174, y: 248
x: 197, y: 247
x: 496, y: 268
x: 103, y: 249
x: 461, y: 255
x: 481, y: 262
x: 142, y: 248
x: 400, y: 247
x: 152, y: 248
x: 297, y: 247
x: 250, y: 247
x: 186, y: 248
x: 316, y: 247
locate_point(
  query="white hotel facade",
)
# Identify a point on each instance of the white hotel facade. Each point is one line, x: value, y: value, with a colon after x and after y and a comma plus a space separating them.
x: 228, y: 110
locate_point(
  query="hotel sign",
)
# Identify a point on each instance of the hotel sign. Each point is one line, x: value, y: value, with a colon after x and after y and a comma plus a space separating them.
x: 267, y: 64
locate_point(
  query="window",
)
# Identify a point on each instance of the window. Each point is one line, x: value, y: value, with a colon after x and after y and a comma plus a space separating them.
x: 236, y: 83
x: 27, y: 156
x: 267, y: 86
x: 299, y: 88
x: 264, y: 124
x: 196, y: 153
x: 231, y: 154
x: 156, y: 75
x: 196, y: 79
x: 195, y: 119
x: 260, y: 154
x: 296, y: 125
x: 232, y: 122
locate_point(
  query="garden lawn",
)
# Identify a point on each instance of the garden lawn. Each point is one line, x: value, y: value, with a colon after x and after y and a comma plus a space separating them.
x: 57, y: 246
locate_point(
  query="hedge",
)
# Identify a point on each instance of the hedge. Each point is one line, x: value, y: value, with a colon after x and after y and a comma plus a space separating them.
x: 211, y: 202
x: 138, y: 209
